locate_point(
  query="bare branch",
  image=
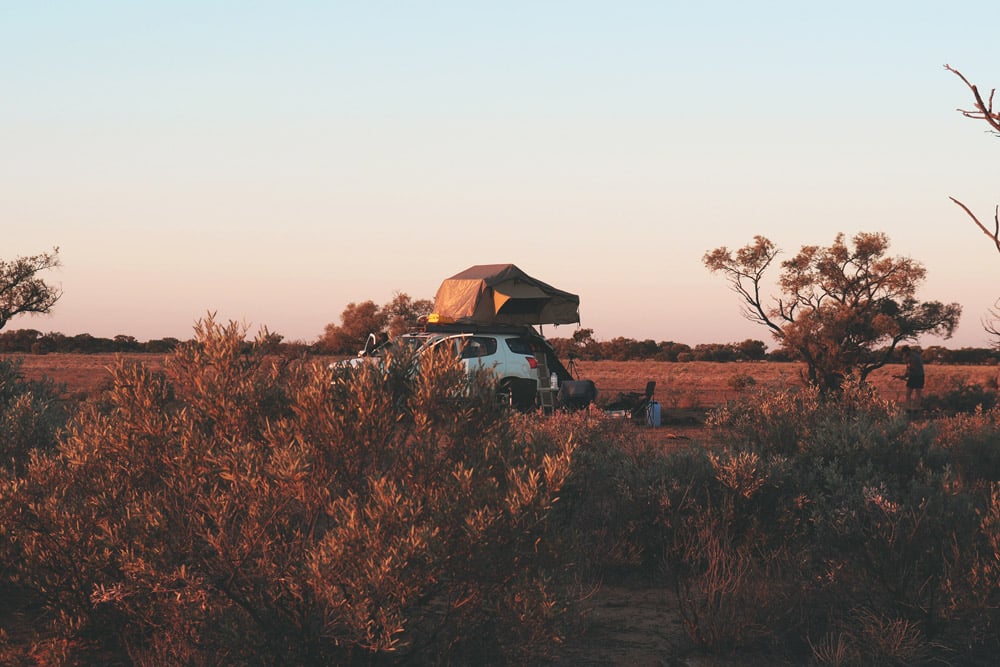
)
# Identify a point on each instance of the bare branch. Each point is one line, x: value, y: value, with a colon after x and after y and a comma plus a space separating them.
x: 984, y: 110
x: 991, y: 323
x: 745, y: 272
x: 995, y: 234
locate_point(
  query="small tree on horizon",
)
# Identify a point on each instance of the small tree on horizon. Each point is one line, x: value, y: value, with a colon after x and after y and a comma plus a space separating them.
x: 358, y: 320
x: 22, y: 291
x: 843, y: 309
x: 404, y: 312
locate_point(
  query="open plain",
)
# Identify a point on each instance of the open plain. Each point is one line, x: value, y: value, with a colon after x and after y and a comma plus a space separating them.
x: 680, y: 386
x: 628, y: 622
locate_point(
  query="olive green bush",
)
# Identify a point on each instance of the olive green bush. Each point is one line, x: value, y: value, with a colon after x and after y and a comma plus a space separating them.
x: 962, y: 398
x: 613, y: 504
x: 734, y: 556
x: 838, y: 524
x: 31, y: 415
x: 243, y: 509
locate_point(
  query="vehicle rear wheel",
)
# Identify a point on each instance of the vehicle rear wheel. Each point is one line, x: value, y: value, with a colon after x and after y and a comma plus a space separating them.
x: 505, y: 392
x: 518, y: 393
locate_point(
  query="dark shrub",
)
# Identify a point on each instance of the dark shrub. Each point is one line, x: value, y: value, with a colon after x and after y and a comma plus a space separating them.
x: 31, y: 415
x: 243, y: 509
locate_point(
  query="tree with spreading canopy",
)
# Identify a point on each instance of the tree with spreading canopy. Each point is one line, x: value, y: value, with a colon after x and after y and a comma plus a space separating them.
x: 22, y: 290
x: 403, y: 313
x: 843, y: 309
x: 358, y: 320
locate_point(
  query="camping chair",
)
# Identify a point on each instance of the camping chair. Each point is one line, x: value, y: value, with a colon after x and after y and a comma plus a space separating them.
x: 577, y: 394
x: 633, y: 403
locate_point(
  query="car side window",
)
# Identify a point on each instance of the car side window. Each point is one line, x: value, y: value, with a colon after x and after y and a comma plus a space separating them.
x: 442, y: 349
x: 519, y: 346
x: 479, y: 346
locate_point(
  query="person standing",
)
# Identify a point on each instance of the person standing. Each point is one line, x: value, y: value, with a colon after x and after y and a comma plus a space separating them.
x: 914, y: 376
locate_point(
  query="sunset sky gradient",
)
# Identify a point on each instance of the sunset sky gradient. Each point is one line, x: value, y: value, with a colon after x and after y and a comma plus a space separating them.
x: 273, y: 161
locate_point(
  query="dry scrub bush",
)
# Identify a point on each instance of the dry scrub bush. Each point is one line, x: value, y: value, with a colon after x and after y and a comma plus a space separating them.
x: 961, y: 397
x: 713, y: 524
x: 238, y: 509
x: 973, y: 443
x: 733, y: 557
x: 985, y: 574
x: 30, y: 416
x: 613, y: 505
x: 872, y: 639
x: 741, y: 381
x: 760, y: 420
x: 851, y: 507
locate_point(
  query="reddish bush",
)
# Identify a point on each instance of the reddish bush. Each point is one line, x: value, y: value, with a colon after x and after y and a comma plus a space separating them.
x: 238, y: 508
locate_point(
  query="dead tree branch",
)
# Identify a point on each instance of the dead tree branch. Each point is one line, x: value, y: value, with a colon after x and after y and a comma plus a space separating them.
x: 995, y: 234
x: 984, y: 109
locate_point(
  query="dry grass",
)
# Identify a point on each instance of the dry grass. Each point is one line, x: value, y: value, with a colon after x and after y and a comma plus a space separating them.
x: 81, y: 374
x: 705, y: 384
x: 697, y: 385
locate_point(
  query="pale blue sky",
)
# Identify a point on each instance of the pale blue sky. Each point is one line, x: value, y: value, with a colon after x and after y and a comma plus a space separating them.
x: 274, y: 161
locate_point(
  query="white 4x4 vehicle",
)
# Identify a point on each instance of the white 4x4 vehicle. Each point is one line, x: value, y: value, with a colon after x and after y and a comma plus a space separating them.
x: 512, y: 353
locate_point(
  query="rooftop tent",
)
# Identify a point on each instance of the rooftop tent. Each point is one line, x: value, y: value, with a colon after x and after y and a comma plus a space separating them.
x: 503, y: 294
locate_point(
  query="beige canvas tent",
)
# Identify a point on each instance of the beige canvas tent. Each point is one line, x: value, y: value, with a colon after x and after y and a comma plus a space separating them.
x: 502, y: 294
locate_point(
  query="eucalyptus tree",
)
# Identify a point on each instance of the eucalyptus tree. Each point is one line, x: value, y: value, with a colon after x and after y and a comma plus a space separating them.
x: 842, y: 309
x: 21, y: 288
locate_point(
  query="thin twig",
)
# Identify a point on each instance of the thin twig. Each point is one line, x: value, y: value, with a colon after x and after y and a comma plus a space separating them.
x: 995, y: 234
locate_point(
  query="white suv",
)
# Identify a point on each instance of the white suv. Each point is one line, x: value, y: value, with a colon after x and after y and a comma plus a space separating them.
x: 512, y: 353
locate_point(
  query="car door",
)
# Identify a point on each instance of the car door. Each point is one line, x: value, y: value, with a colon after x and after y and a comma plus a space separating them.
x: 521, y: 360
x: 478, y: 351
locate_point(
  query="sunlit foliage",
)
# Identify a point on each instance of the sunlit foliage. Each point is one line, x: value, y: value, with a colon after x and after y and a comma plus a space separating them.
x: 842, y: 309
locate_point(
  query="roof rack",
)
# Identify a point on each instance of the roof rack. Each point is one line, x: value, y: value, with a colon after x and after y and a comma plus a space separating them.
x: 475, y: 327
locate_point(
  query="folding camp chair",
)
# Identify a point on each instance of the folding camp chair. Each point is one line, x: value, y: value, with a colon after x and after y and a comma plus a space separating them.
x: 633, y: 403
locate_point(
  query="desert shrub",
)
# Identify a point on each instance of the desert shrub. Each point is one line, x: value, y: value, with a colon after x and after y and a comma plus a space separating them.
x: 900, y: 550
x: 733, y: 557
x: 242, y: 509
x: 31, y: 415
x: 830, y: 505
x: 871, y: 639
x: 764, y: 420
x: 972, y: 442
x: 703, y: 521
x: 740, y: 381
x: 986, y: 573
x: 614, y: 504
x: 963, y: 398
x: 798, y: 420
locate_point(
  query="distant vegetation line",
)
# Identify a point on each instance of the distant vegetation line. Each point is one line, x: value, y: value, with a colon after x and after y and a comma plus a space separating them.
x: 31, y: 341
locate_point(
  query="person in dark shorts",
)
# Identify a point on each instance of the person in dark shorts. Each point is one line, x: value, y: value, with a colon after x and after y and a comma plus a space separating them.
x: 914, y: 375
